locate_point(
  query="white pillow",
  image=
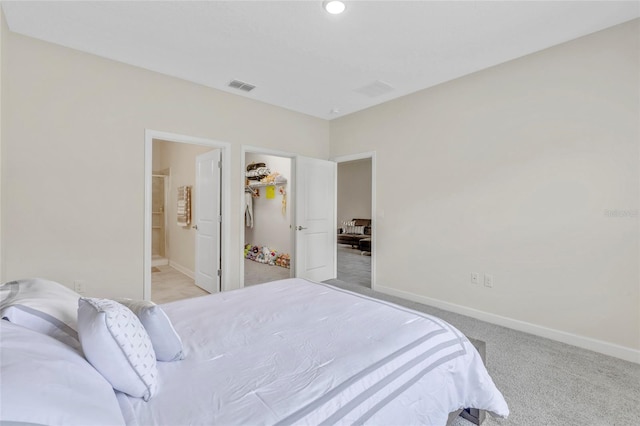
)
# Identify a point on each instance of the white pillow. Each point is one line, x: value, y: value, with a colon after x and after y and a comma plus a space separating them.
x: 351, y: 228
x: 43, y: 306
x: 358, y: 230
x: 117, y: 345
x: 347, y: 226
x: 46, y: 382
x: 166, y: 341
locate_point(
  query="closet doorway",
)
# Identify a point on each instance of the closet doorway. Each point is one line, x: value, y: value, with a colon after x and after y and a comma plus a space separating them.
x: 268, y: 217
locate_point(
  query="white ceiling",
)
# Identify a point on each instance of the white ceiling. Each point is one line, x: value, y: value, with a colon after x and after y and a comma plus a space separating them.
x: 301, y: 58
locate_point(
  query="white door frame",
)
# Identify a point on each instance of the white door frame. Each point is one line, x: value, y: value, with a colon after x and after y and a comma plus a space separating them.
x: 374, y: 233
x: 290, y: 205
x: 225, y: 184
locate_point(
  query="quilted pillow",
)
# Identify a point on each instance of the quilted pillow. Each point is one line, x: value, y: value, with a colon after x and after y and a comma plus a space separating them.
x: 166, y: 341
x: 43, y: 306
x: 117, y: 345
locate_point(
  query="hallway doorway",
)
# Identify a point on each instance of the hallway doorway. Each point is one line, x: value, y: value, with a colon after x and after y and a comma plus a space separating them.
x: 356, y: 219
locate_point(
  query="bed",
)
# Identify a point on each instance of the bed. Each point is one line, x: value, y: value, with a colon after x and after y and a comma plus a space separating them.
x: 281, y: 353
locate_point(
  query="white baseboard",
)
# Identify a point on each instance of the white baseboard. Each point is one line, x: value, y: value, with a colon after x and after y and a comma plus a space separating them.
x: 611, y: 349
x: 182, y: 269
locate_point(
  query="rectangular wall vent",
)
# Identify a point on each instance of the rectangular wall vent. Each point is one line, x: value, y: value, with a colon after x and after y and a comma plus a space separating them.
x: 241, y: 85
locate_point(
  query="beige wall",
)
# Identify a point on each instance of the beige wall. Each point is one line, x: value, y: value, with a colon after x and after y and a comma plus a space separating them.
x: 518, y: 171
x: 523, y: 171
x: 354, y: 190
x: 180, y: 159
x: 73, y: 192
x: 2, y: 38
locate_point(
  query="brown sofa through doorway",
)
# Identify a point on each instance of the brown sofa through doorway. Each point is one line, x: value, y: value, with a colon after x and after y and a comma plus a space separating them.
x: 349, y: 232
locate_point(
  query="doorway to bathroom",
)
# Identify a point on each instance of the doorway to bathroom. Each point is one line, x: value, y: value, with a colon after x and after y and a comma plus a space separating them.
x: 182, y: 264
x: 186, y: 216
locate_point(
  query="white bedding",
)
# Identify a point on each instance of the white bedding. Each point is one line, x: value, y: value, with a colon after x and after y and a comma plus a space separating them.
x: 296, y: 352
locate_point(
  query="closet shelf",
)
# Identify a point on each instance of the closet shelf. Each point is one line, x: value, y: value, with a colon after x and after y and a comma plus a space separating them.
x: 157, y: 212
x: 262, y: 185
x: 156, y: 227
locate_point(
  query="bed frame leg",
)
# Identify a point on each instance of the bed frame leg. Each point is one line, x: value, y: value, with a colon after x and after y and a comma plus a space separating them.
x: 473, y: 415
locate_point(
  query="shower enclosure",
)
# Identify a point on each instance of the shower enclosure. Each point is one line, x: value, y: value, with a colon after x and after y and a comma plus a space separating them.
x: 159, y: 223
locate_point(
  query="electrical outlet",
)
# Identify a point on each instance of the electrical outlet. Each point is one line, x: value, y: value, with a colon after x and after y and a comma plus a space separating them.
x: 488, y: 280
x: 475, y: 278
x: 79, y: 286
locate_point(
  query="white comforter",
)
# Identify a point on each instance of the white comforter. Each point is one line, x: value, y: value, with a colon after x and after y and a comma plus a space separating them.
x: 296, y: 352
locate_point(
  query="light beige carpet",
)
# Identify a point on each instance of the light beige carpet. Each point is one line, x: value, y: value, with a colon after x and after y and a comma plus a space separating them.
x: 258, y: 273
x: 353, y: 266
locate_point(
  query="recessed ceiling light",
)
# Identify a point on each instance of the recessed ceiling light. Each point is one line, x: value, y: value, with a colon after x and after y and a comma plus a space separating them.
x: 334, y: 7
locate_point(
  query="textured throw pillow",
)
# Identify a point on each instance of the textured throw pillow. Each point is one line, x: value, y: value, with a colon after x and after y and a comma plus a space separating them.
x: 358, y: 230
x: 117, y: 345
x: 45, y: 382
x: 352, y: 228
x: 166, y: 341
x: 347, y: 226
x: 43, y: 306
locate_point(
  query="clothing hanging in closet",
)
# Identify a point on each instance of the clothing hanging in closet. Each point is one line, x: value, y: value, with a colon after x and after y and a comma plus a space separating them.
x: 248, y: 209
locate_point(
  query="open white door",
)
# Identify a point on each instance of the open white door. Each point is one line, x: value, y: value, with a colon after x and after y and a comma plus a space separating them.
x: 207, y: 221
x: 315, y: 256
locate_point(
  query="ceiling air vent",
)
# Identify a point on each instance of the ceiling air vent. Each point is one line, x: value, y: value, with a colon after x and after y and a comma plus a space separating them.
x: 241, y: 85
x: 374, y: 89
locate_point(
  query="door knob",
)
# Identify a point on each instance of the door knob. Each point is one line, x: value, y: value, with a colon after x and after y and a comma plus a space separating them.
x: 195, y: 227
x: 300, y: 228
